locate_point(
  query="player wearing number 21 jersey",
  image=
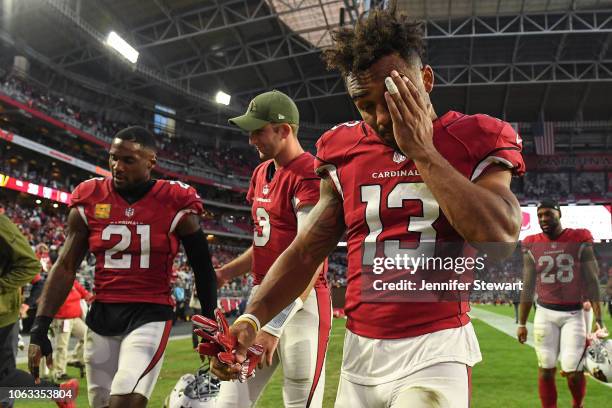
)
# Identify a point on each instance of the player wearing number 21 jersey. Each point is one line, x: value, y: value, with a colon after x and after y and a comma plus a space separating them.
x: 133, y: 224
x: 559, y: 265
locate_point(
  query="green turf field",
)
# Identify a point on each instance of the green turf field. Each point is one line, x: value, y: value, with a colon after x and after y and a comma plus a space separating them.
x: 507, y: 376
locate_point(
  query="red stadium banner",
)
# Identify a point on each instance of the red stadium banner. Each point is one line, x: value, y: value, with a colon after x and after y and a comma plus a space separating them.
x: 584, y: 162
x: 34, y: 189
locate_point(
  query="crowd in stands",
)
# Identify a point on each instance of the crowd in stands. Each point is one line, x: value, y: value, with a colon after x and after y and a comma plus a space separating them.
x: 59, y: 175
x: 184, y: 151
x: 562, y: 185
x: 44, y: 170
x: 234, y: 165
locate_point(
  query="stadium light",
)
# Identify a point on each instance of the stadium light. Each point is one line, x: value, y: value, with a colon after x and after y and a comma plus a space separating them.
x: 222, y: 98
x: 122, y: 47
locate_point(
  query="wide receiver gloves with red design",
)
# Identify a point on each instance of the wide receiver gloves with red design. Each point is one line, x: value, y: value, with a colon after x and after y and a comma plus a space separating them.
x: 218, y: 342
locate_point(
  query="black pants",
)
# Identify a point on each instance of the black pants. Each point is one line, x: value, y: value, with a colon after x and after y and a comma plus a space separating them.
x: 10, y: 376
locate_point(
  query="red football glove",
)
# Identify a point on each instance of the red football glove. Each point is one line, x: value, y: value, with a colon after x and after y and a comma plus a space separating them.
x: 218, y: 342
x: 248, y: 366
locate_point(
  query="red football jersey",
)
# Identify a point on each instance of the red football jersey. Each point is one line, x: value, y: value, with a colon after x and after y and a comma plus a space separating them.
x: 559, y: 278
x: 386, y: 204
x: 274, y: 204
x: 134, y: 244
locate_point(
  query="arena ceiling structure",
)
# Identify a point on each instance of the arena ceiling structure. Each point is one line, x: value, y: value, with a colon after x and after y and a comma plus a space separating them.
x: 519, y: 60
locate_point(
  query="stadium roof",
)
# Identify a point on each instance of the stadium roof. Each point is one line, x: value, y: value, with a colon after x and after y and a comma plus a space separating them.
x: 512, y: 58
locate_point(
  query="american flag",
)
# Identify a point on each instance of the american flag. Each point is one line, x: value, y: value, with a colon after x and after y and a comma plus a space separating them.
x: 544, y: 137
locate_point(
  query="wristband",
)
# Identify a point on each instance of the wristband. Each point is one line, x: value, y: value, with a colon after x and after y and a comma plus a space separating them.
x: 41, y: 325
x: 251, y: 319
x: 276, y: 326
x: 522, y: 325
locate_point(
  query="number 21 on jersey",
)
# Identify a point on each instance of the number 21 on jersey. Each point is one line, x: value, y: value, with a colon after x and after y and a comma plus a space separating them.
x: 111, y: 258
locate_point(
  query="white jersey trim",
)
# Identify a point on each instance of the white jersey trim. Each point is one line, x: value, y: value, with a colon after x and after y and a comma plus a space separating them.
x: 81, y: 211
x: 178, y: 217
x: 487, y: 162
x: 333, y: 174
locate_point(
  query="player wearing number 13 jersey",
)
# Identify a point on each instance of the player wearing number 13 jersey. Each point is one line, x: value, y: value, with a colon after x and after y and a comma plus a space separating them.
x: 133, y: 224
x: 559, y: 265
x: 402, y: 177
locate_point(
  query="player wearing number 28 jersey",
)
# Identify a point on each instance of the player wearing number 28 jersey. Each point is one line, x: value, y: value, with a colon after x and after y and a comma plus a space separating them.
x: 403, y: 178
x: 560, y: 266
x: 133, y: 224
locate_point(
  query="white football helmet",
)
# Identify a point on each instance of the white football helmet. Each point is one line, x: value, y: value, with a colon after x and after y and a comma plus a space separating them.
x: 599, y: 359
x: 194, y: 391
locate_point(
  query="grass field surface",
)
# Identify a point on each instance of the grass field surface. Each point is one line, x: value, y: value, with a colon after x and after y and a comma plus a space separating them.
x: 507, y: 376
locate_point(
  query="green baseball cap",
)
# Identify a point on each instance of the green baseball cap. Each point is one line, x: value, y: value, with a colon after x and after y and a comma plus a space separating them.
x: 268, y: 107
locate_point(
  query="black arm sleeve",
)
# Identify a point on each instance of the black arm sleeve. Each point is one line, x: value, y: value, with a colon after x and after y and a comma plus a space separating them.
x: 196, y: 248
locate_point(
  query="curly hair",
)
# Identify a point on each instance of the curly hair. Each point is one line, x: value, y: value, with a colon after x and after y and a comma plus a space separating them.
x: 379, y: 33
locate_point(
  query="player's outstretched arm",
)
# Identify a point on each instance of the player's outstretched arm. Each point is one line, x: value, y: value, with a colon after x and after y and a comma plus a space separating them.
x: 237, y: 267
x: 289, y: 276
x: 527, y: 295
x: 57, y: 287
x: 590, y: 270
x: 196, y: 248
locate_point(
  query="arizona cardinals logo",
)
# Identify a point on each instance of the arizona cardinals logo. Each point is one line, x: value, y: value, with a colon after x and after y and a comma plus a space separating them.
x: 129, y: 212
x: 398, y: 157
x: 553, y: 245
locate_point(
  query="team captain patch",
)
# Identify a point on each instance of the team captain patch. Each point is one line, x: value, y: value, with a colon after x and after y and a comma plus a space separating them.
x: 102, y: 211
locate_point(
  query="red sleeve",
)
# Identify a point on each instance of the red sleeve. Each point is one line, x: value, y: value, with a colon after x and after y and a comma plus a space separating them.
x: 82, y: 291
x: 494, y: 142
x: 526, y: 243
x: 332, y: 145
x: 586, y: 236
x: 83, y: 192
x: 331, y: 148
x: 185, y: 197
x: 306, y: 192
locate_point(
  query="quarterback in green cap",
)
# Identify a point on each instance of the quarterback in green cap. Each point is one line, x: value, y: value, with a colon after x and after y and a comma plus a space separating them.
x: 283, y: 189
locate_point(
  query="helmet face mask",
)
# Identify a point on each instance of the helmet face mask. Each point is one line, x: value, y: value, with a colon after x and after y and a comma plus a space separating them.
x: 599, y: 360
x: 194, y: 391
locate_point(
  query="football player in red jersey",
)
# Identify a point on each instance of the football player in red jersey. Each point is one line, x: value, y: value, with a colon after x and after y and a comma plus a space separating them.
x: 402, y: 175
x: 133, y: 224
x: 560, y: 266
x: 283, y: 190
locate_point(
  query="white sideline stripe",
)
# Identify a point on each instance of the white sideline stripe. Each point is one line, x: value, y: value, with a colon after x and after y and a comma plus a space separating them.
x: 506, y: 325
